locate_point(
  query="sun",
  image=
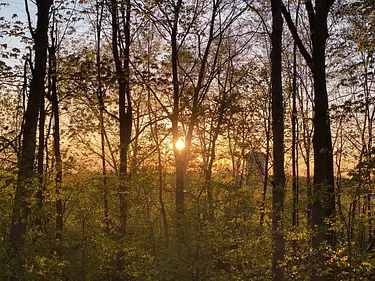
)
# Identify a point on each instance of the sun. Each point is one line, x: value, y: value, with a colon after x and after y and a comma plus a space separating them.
x: 180, y: 144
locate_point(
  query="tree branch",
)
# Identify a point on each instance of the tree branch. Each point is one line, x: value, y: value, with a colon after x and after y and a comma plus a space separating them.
x: 8, y: 143
x: 297, y: 39
x: 311, y: 14
x: 29, y: 19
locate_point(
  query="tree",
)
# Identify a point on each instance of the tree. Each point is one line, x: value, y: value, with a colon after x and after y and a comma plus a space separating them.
x: 52, y: 61
x: 26, y: 162
x: 100, y: 97
x: 278, y: 143
x: 323, y: 206
x: 295, y: 132
x: 120, y: 12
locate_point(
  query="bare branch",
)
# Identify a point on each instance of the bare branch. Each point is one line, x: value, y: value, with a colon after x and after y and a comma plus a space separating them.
x: 29, y: 19
x: 296, y: 37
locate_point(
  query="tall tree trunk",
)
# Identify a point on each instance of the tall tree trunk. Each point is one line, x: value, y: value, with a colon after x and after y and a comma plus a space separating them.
x: 212, y: 155
x: 278, y: 144
x: 294, y: 133
x: 180, y: 163
x: 309, y: 193
x: 39, y: 193
x: 305, y: 146
x: 369, y: 117
x: 56, y: 139
x: 266, y: 164
x: 161, y: 200
x: 181, y: 157
x: 180, y: 184
x: 25, y: 181
x: 99, y: 18
x: 323, y: 207
x: 125, y: 105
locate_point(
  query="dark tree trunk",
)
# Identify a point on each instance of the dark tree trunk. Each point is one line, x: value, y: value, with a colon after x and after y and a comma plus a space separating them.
x: 323, y: 197
x: 294, y: 160
x: 306, y: 137
x: 181, y: 157
x: 225, y: 97
x: 323, y: 206
x: 39, y: 193
x: 265, y: 181
x: 25, y: 181
x: 212, y: 156
x: 125, y: 105
x: 180, y: 183
x: 161, y: 200
x: 99, y: 18
x: 56, y: 141
x: 309, y: 191
x: 294, y: 134
x: 278, y: 144
x: 180, y: 165
x: 266, y: 164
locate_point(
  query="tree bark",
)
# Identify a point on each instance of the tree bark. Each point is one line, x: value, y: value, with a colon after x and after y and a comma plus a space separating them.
x: 161, y: 200
x: 56, y: 141
x: 125, y: 105
x: 266, y: 164
x: 39, y: 193
x: 323, y: 206
x: 224, y: 100
x: 278, y: 143
x: 306, y: 147
x: 99, y: 18
x: 180, y: 165
x: 26, y: 175
x: 294, y: 133
x: 323, y: 198
x: 212, y: 155
x: 181, y: 157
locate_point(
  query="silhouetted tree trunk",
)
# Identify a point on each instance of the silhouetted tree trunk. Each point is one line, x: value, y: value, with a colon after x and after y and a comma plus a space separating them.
x: 199, y: 89
x: 212, y: 155
x: 25, y: 182
x: 225, y: 88
x: 305, y: 148
x: 323, y: 206
x: 99, y: 19
x: 161, y: 200
x: 294, y: 133
x: 268, y: 123
x: 121, y: 52
x: 179, y: 159
x: 39, y: 193
x: 56, y: 138
x: 278, y: 144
